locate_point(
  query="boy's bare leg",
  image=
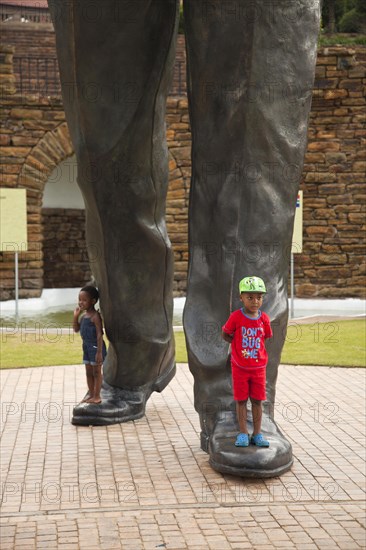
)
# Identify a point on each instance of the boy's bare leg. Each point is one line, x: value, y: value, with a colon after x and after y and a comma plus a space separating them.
x: 115, y: 63
x: 241, y: 413
x: 251, y: 69
x: 256, y: 415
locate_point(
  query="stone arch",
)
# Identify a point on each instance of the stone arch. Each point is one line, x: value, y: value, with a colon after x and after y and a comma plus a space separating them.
x: 53, y: 148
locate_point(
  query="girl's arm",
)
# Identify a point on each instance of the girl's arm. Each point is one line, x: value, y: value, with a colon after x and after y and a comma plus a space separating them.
x: 75, y: 322
x: 97, y: 320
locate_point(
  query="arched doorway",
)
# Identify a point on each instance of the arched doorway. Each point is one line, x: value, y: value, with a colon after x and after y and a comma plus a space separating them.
x: 65, y: 258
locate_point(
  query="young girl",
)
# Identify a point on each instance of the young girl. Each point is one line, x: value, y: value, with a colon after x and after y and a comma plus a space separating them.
x: 90, y: 327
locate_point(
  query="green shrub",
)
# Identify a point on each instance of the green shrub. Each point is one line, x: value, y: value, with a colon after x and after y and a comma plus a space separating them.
x: 181, y: 20
x: 353, y: 21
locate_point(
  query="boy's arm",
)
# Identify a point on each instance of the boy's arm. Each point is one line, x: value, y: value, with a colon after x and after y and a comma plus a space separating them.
x: 228, y: 330
x: 268, y: 329
x: 227, y: 337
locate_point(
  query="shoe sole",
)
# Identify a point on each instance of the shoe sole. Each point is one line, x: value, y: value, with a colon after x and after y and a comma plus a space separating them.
x: 95, y: 419
x: 242, y: 472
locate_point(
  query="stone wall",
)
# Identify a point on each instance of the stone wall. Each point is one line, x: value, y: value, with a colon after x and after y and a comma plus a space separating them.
x: 65, y: 258
x: 34, y: 140
x: 35, y: 61
x: 179, y: 144
x: 333, y: 261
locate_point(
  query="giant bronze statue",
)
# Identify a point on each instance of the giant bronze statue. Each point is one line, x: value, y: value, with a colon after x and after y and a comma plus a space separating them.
x: 250, y: 76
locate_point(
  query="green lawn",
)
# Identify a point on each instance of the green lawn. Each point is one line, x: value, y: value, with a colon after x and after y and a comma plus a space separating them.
x: 336, y: 343
x: 341, y: 39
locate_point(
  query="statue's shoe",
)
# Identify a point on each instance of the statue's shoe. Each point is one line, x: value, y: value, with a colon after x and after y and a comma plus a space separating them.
x: 118, y: 404
x: 252, y: 461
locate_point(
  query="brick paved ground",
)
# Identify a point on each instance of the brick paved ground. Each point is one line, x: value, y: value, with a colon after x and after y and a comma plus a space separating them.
x: 147, y: 484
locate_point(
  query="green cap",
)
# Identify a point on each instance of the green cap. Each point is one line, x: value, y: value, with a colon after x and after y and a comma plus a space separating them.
x: 252, y: 284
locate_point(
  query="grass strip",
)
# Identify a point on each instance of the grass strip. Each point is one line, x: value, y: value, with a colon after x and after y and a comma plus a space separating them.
x: 335, y: 343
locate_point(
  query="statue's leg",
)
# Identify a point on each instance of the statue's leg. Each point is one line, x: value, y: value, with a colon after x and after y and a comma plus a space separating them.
x: 251, y: 69
x: 115, y: 63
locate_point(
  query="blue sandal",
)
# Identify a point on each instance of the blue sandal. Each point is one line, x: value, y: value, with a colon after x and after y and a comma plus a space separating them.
x: 259, y: 440
x: 242, y: 440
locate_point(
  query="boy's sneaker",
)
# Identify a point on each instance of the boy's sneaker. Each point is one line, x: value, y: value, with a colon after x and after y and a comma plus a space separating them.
x: 242, y: 440
x: 259, y: 440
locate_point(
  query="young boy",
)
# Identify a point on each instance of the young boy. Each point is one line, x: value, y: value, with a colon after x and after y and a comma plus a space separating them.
x: 246, y: 331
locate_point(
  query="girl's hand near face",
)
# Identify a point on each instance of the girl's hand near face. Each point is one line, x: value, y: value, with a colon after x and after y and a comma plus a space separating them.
x: 75, y: 323
x: 77, y: 311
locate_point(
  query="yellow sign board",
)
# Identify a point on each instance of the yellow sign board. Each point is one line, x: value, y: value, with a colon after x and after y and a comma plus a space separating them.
x: 297, y: 234
x: 13, y: 220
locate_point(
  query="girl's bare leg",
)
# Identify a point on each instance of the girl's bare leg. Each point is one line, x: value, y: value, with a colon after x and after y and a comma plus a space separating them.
x: 90, y: 383
x: 97, y: 379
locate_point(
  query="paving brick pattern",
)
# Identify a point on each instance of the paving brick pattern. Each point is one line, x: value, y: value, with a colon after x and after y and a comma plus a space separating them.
x: 147, y: 484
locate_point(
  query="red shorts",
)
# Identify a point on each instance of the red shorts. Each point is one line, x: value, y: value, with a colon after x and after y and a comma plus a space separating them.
x: 249, y: 382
